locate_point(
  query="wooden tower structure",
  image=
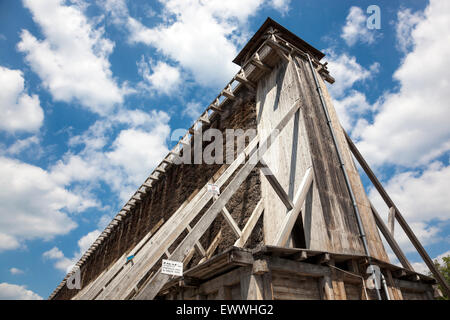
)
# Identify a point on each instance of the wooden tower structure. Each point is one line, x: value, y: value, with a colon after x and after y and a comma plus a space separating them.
x: 292, y: 219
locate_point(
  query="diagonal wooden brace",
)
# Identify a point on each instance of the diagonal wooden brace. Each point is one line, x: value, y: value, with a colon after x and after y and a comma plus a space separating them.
x: 291, y: 216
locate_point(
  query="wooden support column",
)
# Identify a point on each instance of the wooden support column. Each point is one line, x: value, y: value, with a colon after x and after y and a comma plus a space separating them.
x: 337, y: 283
x: 391, y: 220
x: 395, y: 291
x: 390, y: 239
x: 261, y: 270
x: 252, y: 286
x: 327, y: 286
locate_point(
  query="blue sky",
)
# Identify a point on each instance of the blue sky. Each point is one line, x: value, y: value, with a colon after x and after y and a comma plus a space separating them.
x: 93, y: 90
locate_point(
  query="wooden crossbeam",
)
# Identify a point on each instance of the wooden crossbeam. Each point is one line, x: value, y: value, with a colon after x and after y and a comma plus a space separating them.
x: 204, y: 119
x: 250, y: 225
x: 160, y: 169
x: 399, y: 217
x: 198, y: 247
x: 229, y: 219
x: 291, y: 216
x: 259, y: 64
x: 228, y: 92
x: 242, y: 79
x: 278, y: 49
x: 159, y: 279
x: 212, y: 247
x: 279, y: 190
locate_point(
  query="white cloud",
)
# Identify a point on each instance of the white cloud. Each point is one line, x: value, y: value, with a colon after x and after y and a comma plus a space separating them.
x: 124, y: 162
x: 280, y: 5
x: 20, y: 111
x: 350, y: 108
x: 411, y: 126
x: 72, y: 60
x: 30, y: 144
x: 406, y: 22
x: 421, y: 196
x: 347, y: 71
x: 356, y: 29
x: 33, y: 205
x: 15, y: 271
x: 201, y: 36
x: 421, y: 267
x: 193, y: 110
x: 65, y: 264
x: 350, y: 104
x: 10, y: 291
x: 160, y: 77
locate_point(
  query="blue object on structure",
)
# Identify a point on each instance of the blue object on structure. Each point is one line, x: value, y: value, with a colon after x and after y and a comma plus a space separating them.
x: 130, y: 257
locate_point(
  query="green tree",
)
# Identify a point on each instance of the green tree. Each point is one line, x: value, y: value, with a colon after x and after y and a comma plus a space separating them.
x: 444, y: 269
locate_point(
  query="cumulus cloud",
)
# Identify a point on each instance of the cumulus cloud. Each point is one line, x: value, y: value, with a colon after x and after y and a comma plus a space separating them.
x: 122, y: 163
x: 355, y: 28
x: 34, y: 205
x: 10, y: 291
x: 411, y: 125
x: 406, y: 22
x: 15, y: 271
x: 160, y: 77
x: 193, y: 110
x: 420, y: 195
x: 422, y: 267
x: 201, y: 36
x: 65, y: 264
x: 347, y: 71
x: 72, y: 59
x: 20, y: 111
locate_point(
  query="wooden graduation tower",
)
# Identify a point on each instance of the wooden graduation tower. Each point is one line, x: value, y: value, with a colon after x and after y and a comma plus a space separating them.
x: 292, y: 219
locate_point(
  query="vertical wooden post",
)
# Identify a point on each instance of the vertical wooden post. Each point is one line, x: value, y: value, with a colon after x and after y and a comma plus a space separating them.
x: 327, y: 287
x: 396, y: 292
x: 337, y: 283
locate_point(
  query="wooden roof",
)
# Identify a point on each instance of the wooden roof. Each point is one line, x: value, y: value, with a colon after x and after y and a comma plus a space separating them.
x: 287, y: 35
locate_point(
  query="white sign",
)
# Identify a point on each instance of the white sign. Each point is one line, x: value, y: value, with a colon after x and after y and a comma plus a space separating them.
x: 171, y: 267
x: 213, y: 188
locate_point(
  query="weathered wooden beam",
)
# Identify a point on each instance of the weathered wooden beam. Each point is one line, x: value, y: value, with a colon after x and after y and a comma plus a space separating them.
x: 259, y: 64
x: 277, y: 187
x: 391, y: 220
x: 229, y: 219
x: 280, y: 51
x: 160, y: 169
x: 250, y: 225
x: 290, y: 218
x: 242, y: 79
x: 204, y: 119
x: 402, y: 222
x: 413, y: 286
x: 228, y: 92
x: 212, y: 247
x: 390, y: 239
x: 198, y: 247
x: 298, y: 268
